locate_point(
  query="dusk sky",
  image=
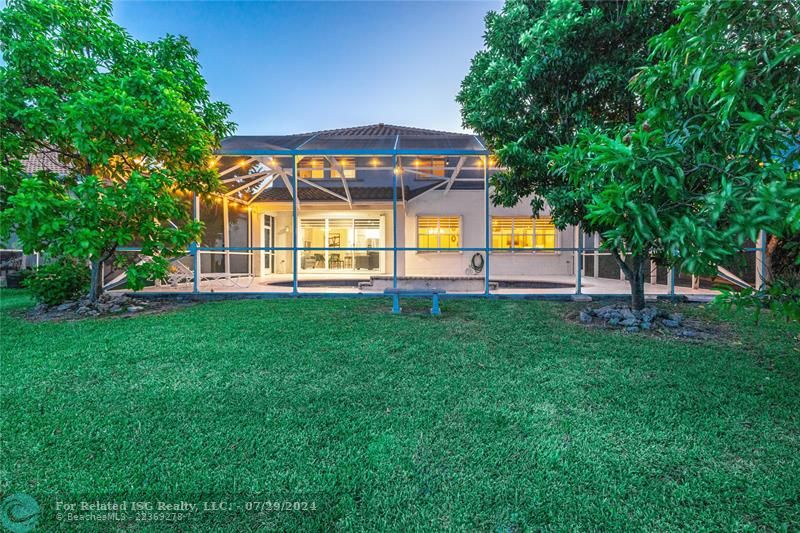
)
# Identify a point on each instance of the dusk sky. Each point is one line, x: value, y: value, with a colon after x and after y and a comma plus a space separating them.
x: 290, y: 67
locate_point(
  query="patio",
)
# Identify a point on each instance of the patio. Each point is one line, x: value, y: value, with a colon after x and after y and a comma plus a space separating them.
x: 354, y: 284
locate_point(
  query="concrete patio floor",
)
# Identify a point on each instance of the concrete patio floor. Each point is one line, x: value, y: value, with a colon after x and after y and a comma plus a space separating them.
x: 319, y: 284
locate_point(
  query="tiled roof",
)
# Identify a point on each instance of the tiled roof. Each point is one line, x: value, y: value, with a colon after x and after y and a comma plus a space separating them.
x: 382, y: 138
x: 44, y: 161
x: 380, y: 130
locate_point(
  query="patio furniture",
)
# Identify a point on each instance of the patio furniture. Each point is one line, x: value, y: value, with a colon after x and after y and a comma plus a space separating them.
x: 396, y: 293
x: 369, y: 261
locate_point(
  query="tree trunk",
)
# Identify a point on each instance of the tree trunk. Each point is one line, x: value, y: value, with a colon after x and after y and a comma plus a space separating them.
x: 96, y: 287
x: 635, y: 276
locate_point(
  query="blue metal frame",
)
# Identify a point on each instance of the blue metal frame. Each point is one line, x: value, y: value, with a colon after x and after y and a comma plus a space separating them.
x: 394, y: 225
x: 393, y: 152
x: 762, y: 283
x: 579, y: 262
x: 294, y: 225
x: 196, y: 249
x: 487, y: 219
x: 193, y: 248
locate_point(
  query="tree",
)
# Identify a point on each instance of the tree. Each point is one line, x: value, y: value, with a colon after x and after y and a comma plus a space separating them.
x: 132, y: 121
x: 551, y: 68
x: 708, y: 163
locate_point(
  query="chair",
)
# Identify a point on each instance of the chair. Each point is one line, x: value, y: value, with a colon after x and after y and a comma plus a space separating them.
x: 335, y: 261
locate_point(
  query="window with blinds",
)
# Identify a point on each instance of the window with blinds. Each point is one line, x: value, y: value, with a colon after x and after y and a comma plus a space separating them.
x: 311, y: 168
x: 346, y: 165
x: 433, y: 167
x: 440, y: 233
x: 318, y: 168
x: 544, y: 233
x: 523, y: 233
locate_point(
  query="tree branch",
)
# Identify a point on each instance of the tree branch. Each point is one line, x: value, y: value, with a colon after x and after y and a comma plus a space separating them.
x: 622, y: 264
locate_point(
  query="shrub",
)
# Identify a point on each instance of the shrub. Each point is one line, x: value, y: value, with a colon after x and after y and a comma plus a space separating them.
x: 57, y: 282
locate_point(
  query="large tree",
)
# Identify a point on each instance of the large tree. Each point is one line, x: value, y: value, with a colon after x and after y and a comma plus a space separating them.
x: 549, y: 69
x: 708, y: 163
x: 131, y: 121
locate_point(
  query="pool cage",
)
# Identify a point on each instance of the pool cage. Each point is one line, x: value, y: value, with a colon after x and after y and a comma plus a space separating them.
x: 327, y: 215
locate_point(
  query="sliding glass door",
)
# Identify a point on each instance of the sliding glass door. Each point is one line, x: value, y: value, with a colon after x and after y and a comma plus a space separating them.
x: 329, y: 237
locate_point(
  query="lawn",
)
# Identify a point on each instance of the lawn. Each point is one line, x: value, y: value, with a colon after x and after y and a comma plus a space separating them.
x: 500, y: 416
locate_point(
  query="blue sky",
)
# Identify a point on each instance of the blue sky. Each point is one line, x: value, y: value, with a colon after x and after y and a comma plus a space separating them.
x: 289, y: 67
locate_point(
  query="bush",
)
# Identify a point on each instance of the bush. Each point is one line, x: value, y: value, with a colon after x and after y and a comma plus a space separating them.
x: 57, y: 282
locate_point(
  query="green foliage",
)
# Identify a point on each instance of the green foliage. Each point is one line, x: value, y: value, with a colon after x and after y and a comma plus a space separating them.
x: 685, y: 163
x: 57, y: 282
x: 133, y: 122
x: 549, y: 69
x: 782, y: 293
x: 708, y: 162
x: 781, y: 297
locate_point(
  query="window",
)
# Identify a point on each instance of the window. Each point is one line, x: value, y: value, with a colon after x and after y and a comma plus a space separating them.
x: 439, y: 232
x: 318, y: 168
x: 327, y: 237
x: 435, y: 166
x: 523, y: 233
x: 347, y: 164
x: 311, y: 168
x: 544, y: 233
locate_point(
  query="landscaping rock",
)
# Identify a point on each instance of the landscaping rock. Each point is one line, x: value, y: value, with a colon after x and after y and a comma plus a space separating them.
x: 66, y: 306
x: 649, y: 314
x: 106, y: 304
x: 649, y: 319
x: 604, y: 310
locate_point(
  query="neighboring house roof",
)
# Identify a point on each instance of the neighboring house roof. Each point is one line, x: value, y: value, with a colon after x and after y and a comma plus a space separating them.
x: 378, y: 137
x: 44, y: 161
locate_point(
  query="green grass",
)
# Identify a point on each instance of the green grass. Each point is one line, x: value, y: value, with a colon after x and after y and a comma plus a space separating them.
x: 500, y: 416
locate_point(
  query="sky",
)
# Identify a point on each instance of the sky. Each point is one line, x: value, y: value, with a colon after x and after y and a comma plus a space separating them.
x: 298, y: 66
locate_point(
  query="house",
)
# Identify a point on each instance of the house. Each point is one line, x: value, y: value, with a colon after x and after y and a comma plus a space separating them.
x: 361, y: 191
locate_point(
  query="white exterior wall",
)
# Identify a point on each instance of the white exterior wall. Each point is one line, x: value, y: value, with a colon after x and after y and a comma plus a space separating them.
x: 469, y: 205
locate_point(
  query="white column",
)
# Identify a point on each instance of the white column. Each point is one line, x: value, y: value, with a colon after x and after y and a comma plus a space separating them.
x: 762, y: 275
x: 226, y: 241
